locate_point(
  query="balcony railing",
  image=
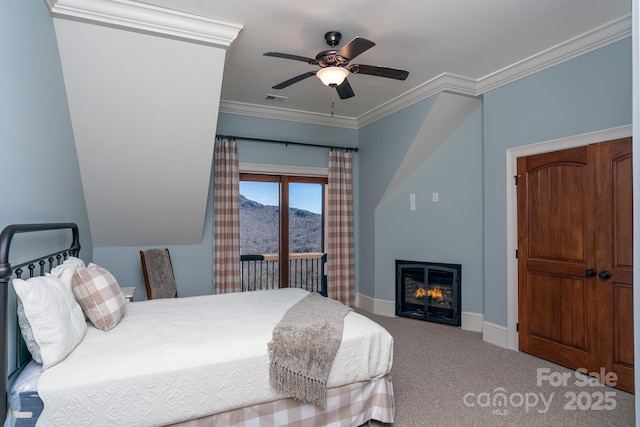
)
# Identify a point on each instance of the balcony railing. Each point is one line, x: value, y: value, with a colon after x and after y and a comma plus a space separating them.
x: 306, y: 271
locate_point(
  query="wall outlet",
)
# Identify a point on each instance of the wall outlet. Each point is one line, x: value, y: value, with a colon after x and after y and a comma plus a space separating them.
x: 434, y: 197
x: 412, y: 201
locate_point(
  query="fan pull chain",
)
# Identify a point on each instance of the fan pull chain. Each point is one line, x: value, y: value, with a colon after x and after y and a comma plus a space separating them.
x: 332, y: 103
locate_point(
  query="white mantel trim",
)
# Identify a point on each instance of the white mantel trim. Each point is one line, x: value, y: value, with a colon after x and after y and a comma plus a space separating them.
x: 148, y: 19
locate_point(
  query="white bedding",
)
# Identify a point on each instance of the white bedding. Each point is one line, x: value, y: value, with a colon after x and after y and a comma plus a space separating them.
x: 177, y: 359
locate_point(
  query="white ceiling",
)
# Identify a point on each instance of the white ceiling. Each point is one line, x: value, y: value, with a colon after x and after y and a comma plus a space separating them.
x: 463, y: 40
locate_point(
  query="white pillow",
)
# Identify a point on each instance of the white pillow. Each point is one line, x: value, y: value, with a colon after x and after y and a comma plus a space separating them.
x: 65, y: 270
x: 72, y: 260
x: 27, y: 334
x: 55, y: 318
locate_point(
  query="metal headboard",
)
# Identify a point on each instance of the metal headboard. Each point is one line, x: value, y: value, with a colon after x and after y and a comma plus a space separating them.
x: 35, y: 267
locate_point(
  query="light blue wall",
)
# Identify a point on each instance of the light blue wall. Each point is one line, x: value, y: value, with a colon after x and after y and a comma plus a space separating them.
x: 448, y: 231
x: 40, y: 175
x: 383, y: 145
x: 193, y: 264
x: 588, y: 93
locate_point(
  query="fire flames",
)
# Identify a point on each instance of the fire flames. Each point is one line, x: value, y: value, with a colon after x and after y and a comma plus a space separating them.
x: 434, y: 292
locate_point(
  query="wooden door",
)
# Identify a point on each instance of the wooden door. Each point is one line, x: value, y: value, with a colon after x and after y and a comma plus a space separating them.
x: 614, y: 258
x: 574, y: 224
x: 556, y: 300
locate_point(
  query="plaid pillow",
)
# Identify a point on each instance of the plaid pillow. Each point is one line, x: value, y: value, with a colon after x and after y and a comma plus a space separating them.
x: 99, y: 295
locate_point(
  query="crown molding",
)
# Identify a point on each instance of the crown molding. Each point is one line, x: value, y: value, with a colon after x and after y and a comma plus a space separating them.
x: 598, y: 37
x: 286, y: 114
x: 444, y: 82
x: 587, y: 42
x: 145, y: 18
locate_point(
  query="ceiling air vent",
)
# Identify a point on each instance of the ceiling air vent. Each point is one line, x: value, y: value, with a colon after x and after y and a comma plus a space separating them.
x: 270, y: 97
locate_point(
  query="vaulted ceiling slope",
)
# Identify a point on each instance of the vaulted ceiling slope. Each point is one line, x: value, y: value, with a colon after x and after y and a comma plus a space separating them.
x: 145, y: 82
x: 143, y: 87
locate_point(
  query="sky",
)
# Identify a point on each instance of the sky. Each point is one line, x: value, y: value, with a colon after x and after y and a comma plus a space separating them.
x: 301, y: 196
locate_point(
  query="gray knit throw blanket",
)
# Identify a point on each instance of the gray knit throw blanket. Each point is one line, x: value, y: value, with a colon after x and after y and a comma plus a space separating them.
x: 303, y: 347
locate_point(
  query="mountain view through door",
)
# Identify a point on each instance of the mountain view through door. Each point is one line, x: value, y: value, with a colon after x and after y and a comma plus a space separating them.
x: 269, y: 240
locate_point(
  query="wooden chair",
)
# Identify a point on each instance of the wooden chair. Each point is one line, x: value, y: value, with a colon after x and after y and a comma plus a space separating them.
x: 158, y: 274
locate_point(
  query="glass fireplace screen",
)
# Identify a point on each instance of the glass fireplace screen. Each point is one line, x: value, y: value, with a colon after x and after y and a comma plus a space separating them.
x: 429, y: 291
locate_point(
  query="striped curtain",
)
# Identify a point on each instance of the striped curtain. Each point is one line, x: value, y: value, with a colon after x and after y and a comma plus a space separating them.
x: 340, y: 264
x: 226, y: 217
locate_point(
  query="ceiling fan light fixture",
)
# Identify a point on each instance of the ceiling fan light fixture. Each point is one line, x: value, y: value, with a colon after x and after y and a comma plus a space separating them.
x: 332, y: 76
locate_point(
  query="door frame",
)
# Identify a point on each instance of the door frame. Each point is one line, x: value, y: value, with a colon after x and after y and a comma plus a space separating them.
x: 512, y: 208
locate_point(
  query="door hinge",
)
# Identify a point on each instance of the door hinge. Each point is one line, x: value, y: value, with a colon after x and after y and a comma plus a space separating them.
x: 516, y: 254
x: 517, y: 327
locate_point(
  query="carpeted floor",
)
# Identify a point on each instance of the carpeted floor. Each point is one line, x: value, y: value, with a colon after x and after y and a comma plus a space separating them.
x: 444, y: 376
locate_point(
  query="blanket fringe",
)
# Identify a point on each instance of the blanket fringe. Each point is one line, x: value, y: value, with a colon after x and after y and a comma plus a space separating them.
x: 301, y: 387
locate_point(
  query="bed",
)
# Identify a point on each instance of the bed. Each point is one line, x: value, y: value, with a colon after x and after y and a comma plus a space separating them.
x: 196, y: 361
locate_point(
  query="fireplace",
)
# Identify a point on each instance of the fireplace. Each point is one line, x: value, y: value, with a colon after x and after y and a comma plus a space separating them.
x: 428, y: 291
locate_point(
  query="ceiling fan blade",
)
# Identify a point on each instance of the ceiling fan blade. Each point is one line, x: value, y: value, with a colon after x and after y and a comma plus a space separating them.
x: 354, y: 48
x: 293, y: 80
x: 289, y: 56
x: 344, y: 90
x: 372, y: 70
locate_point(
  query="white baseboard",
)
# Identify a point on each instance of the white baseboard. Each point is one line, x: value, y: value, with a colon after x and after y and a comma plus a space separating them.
x: 376, y: 306
x: 495, y: 334
x: 364, y: 302
x: 472, y: 321
x: 384, y: 307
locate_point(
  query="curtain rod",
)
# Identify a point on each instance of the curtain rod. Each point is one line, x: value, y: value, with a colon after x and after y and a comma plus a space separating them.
x: 276, y: 141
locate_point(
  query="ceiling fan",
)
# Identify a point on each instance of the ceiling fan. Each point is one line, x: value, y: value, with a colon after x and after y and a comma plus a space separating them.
x: 334, y: 65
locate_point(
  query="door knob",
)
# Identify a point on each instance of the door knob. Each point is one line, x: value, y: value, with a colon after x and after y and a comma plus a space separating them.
x: 590, y: 272
x: 604, y: 275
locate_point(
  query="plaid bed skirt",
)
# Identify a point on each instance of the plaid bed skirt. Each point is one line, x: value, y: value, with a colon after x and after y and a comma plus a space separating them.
x: 348, y: 406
